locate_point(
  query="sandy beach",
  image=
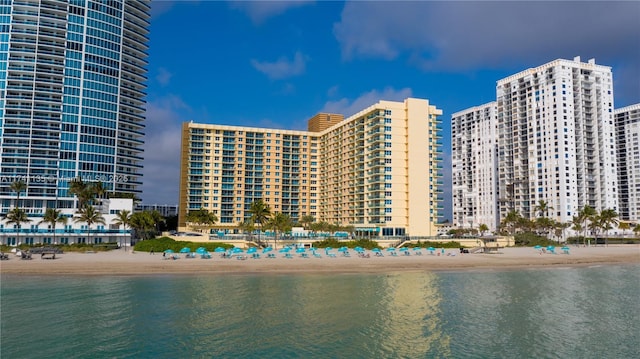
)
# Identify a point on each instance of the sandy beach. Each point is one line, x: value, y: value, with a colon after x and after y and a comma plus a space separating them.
x: 140, y: 263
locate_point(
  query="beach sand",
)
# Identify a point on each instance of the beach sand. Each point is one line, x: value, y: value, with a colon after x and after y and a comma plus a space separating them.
x: 119, y: 262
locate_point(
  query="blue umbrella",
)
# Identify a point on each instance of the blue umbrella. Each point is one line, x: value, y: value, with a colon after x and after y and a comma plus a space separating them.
x: 391, y: 249
x: 185, y: 250
x: 537, y: 247
x: 252, y: 250
x: 201, y: 250
x: 236, y: 250
x: 416, y: 248
x: 343, y: 249
x: 565, y: 248
x: 300, y: 250
x: 219, y: 250
x: 358, y: 249
x: 404, y: 249
x: 285, y: 250
x: 268, y: 249
x: 169, y: 251
x: 376, y: 250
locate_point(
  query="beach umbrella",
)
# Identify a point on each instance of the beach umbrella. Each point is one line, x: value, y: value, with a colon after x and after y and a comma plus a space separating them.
x: 185, y: 250
x: 565, y: 248
x: 169, y: 251
x: 284, y: 250
x: 267, y: 249
x: 390, y: 249
x: 300, y: 250
x: 404, y: 249
x: 343, y: 249
x: 376, y: 250
x: 236, y: 250
x: 252, y: 250
x: 537, y: 246
x: 201, y: 250
x: 219, y: 250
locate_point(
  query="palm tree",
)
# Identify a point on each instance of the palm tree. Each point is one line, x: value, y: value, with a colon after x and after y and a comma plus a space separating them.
x: 279, y: 222
x: 586, y: 214
x: 18, y: 187
x: 483, y: 228
x: 99, y: 190
x: 511, y: 221
x: 123, y: 218
x: 17, y: 216
x: 142, y: 223
x: 246, y: 226
x: 260, y: 213
x: 636, y: 229
x: 306, y: 220
x: 607, y: 218
x: 82, y: 190
x: 201, y: 218
x: 543, y: 207
x: 624, y: 227
x: 89, y: 215
x: 53, y: 216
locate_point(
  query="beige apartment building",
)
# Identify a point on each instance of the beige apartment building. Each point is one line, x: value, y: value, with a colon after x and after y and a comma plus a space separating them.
x: 378, y: 170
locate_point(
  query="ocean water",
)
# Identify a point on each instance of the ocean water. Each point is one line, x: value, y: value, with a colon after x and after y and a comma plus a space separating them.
x: 586, y: 312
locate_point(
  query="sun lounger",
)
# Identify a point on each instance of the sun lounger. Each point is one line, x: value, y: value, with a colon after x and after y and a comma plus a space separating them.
x: 288, y: 255
x: 394, y: 254
x: 271, y: 255
x: 304, y: 255
x: 379, y: 254
x: 565, y: 250
x: 317, y: 255
x: 331, y: 255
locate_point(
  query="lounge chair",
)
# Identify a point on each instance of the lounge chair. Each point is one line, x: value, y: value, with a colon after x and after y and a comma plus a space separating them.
x: 379, y: 254
x: 317, y: 255
x: 304, y: 255
x: 288, y: 255
x: 271, y: 255
x: 565, y: 250
x: 394, y: 254
x: 331, y: 255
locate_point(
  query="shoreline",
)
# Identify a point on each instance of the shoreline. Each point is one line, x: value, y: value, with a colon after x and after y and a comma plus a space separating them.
x: 120, y: 263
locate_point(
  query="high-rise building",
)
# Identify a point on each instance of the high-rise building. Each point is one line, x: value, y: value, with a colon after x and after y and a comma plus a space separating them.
x: 627, y: 122
x: 474, y: 146
x: 224, y: 169
x: 378, y: 170
x: 556, y: 140
x: 72, y: 97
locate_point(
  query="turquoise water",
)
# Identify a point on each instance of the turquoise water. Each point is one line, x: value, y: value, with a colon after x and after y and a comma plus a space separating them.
x: 546, y: 313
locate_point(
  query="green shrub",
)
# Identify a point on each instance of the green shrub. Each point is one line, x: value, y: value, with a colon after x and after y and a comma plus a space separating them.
x: 163, y: 243
x: 334, y: 243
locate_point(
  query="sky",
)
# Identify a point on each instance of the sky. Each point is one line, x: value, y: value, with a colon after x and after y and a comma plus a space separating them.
x: 276, y: 64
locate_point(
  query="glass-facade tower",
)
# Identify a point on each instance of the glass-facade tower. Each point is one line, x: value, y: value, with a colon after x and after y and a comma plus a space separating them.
x: 72, y: 97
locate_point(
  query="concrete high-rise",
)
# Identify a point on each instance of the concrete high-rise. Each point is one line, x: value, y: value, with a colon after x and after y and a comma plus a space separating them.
x: 378, y: 170
x: 72, y: 97
x: 556, y: 140
x: 627, y: 121
x: 474, y: 146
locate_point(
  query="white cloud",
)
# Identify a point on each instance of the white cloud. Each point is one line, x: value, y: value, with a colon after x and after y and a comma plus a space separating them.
x: 462, y: 35
x: 348, y: 107
x: 260, y: 11
x: 283, y: 67
x: 162, y: 150
x: 164, y: 76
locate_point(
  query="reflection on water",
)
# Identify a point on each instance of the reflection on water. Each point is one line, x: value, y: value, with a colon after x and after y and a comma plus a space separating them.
x: 408, y: 315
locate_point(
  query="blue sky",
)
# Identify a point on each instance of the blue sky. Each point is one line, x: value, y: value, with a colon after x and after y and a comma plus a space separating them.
x: 276, y: 64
